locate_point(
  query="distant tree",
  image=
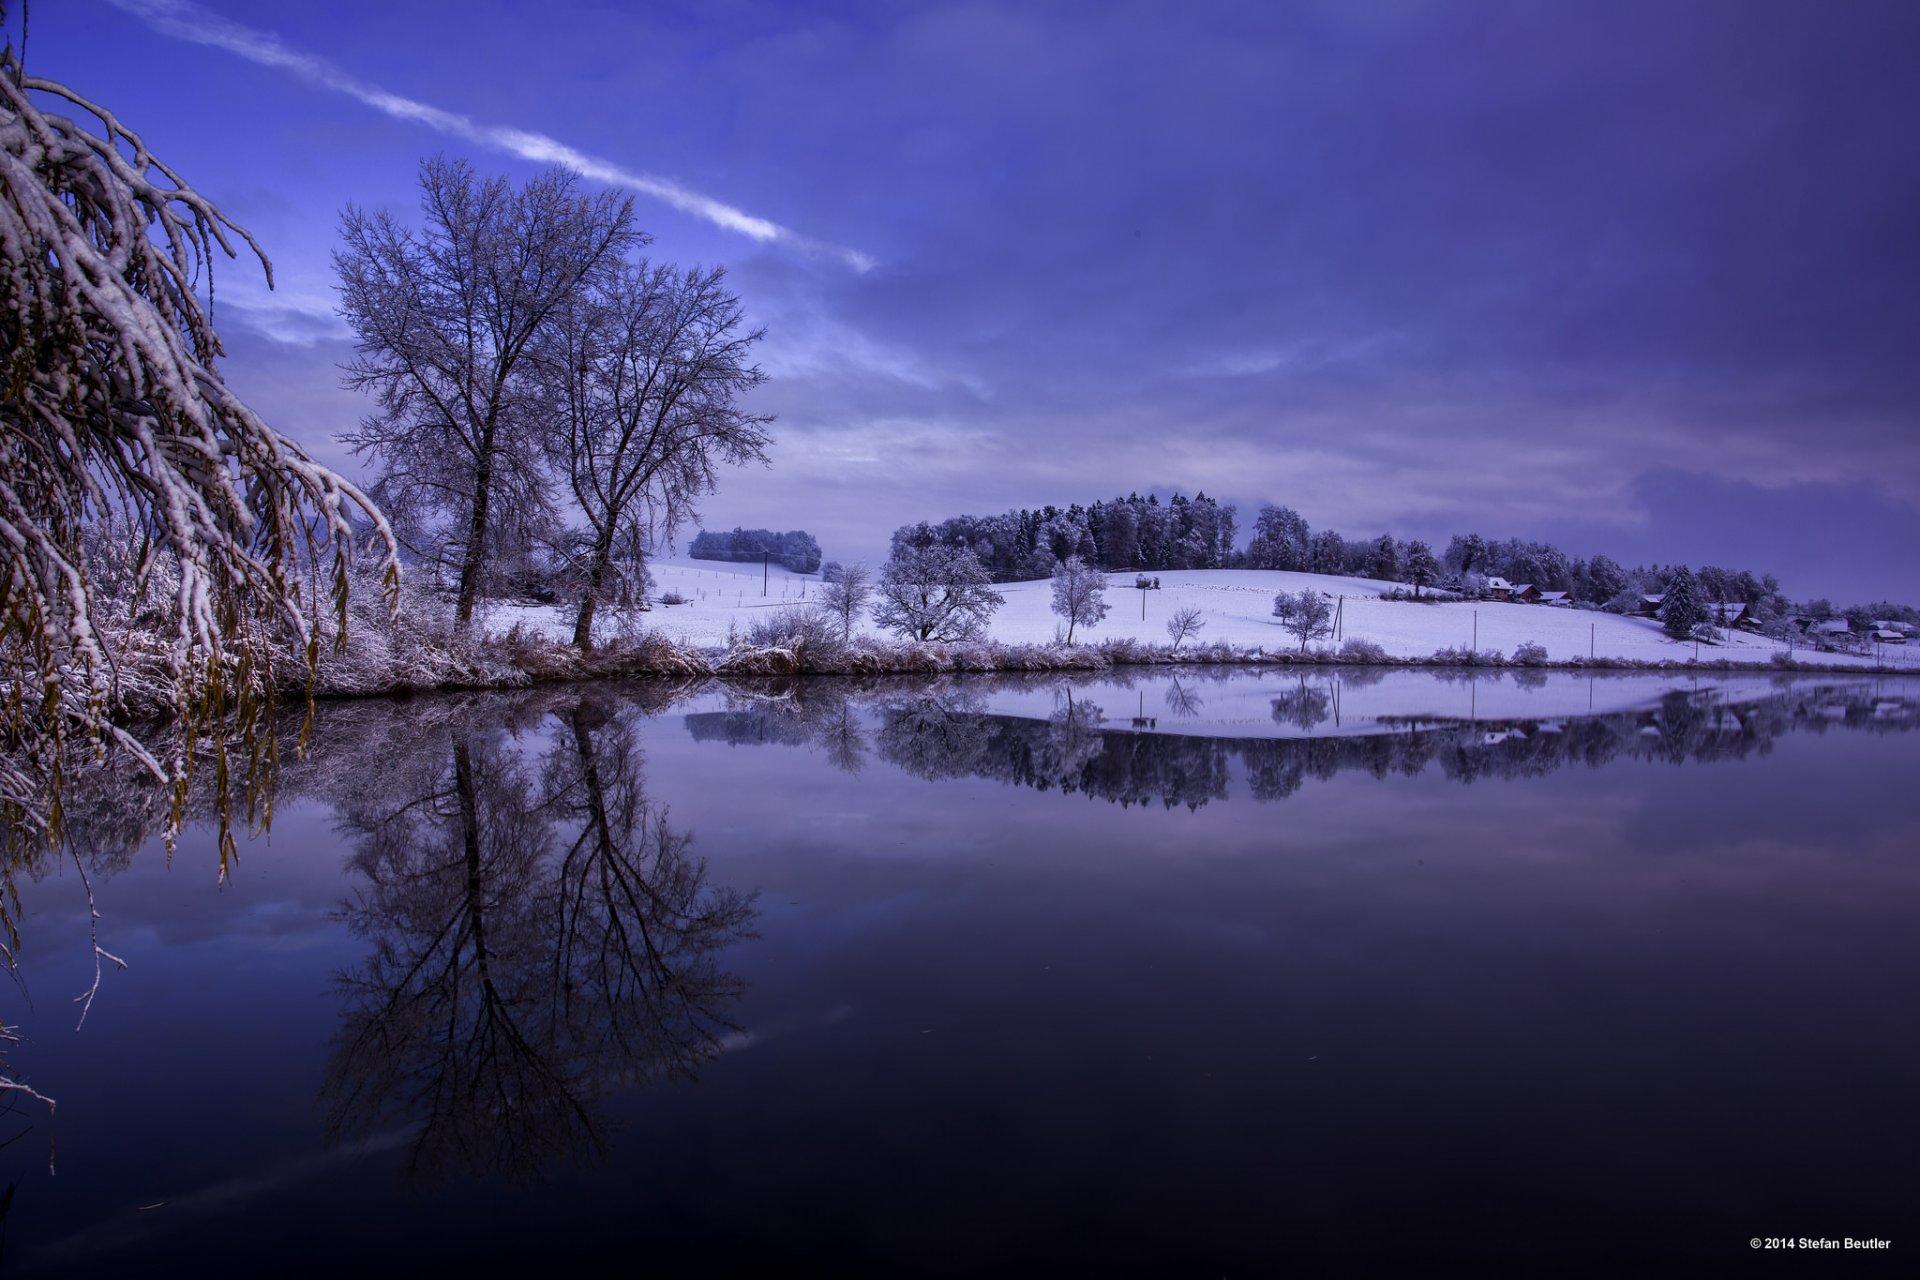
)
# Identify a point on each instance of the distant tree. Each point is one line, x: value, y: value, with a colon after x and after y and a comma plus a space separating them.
x: 1079, y: 593
x: 795, y: 549
x: 844, y: 597
x: 1421, y: 568
x: 1384, y: 560
x: 1308, y: 615
x: 935, y: 593
x: 1185, y: 624
x: 445, y: 319
x: 1467, y: 552
x: 645, y: 369
x: 1281, y: 540
x: 1327, y: 553
x: 1604, y: 580
x: 1682, y: 609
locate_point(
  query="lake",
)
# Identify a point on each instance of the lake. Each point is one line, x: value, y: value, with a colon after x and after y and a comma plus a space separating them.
x: 1199, y: 973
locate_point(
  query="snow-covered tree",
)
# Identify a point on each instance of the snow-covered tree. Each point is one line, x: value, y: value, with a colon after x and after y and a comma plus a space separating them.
x: 1466, y: 553
x: 1079, y: 593
x: 645, y: 365
x: 1604, y: 580
x: 1308, y: 615
x: 844, y: 596
x: 446, y: 318
x: 1681, y: 611
x: 1281, y: 540
x: 1327, y: 553
x: 1383, y: 562
x: 935, y: 593
x: 1420, y: 566
x: 112, y: 412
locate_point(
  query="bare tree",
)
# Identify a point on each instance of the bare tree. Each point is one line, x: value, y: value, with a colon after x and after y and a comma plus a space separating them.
x: 647, y: 369
x: 1185, y: 624
x: 1079, y: 593
x: 1308, y: 615
x: 445, y: 318
x: 845, y: 597
x: 935, y: 593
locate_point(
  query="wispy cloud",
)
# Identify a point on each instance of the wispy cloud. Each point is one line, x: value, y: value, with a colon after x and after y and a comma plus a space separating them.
x: 184, y: 20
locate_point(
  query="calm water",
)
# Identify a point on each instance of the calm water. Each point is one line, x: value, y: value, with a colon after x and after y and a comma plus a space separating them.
x: 1212, y: 975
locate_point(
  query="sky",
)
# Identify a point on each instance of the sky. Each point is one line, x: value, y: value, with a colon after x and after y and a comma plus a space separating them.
x: 1636, y: 277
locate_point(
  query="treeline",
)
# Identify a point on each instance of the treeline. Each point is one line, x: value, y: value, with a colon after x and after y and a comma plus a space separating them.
x: 1198, y: 533
x: 1124, y: 533
x: 796, y: 549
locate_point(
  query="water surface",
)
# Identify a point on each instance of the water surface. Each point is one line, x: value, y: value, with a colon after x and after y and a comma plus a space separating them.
x: 1209, y: 973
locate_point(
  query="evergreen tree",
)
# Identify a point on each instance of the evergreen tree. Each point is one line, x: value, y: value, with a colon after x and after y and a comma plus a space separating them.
x: 1682, y: 611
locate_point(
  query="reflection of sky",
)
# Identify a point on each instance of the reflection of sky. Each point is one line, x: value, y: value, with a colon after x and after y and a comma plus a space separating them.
x: 986, y: 1022
x: 1636, y: 275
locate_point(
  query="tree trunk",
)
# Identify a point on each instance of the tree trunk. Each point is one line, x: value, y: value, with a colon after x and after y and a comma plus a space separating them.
x: 474, y: 558
x: 596, y: 582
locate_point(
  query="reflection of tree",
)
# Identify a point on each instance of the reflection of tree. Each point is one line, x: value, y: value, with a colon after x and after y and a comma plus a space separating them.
x: 532, y: 947
x: 938, y: 736
x: 816, y: 712
x: 1183, y: 700
x: 1303, y: 707
x: 1073, y: 740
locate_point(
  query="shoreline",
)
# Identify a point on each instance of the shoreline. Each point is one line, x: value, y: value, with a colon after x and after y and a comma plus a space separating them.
x: 521, y: 664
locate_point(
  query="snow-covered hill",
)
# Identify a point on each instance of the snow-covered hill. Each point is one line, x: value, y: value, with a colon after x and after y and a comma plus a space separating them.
x: 1237, y: 605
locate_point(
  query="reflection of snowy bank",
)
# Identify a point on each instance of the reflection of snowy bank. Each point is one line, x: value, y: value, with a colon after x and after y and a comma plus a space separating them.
x: 1266, y: 702
x: 1093, y: 736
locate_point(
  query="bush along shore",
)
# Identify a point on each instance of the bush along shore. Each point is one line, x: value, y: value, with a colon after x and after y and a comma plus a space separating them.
x: 518, y: 660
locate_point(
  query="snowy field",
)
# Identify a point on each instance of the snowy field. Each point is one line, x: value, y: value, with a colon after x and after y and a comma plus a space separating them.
x: 1236, y: 605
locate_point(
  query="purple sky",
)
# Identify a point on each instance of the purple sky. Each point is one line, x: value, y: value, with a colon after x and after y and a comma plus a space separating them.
x: 1641, y: 277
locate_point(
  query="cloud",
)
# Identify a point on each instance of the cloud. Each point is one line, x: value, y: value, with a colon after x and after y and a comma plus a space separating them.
x: 184, y: 20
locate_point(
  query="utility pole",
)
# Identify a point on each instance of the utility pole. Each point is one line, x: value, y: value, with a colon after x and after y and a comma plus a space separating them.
x: 766, y: 562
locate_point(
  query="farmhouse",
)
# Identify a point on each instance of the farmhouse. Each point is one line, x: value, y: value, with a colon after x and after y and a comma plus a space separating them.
x: 1733, y: 613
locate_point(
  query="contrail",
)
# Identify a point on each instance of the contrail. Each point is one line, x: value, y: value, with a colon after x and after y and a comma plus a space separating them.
x: 185, y: 20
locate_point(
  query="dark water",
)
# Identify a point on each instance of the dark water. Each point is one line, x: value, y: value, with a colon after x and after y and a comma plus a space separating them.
x: 1217, y: 975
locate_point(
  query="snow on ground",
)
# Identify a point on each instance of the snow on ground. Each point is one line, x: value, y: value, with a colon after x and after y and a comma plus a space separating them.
x: 1236, y: 604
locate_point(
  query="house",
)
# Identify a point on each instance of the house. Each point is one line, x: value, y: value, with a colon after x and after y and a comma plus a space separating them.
x: 1499, y: 588
x: 1733, y: 613
x: 1526, y: 593
x: 1832, y: 627
x: 1887, y: 635
x: 1650, y: 604
x: 1562, y: 598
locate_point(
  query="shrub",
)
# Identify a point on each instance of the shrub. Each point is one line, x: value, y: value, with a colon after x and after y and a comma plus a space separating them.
x: 1529, y: 654
x: 1451, y: 656
x: 1355, y: 649
x: 673, y: 597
